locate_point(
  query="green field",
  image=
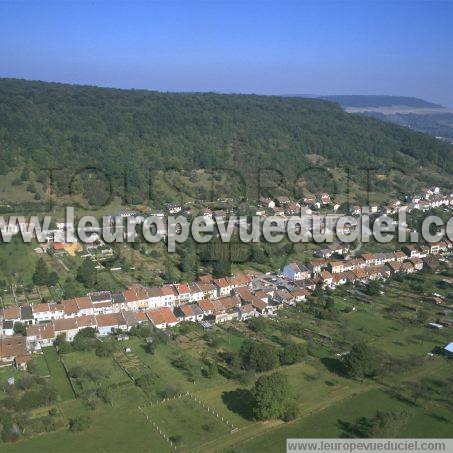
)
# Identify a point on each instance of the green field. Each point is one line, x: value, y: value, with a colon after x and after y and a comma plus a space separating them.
x: 58, y: 374
x: 186, y: 423
x: 41, y: 365
x: 118, y: 428
x: 330, y: 422
x: 144, y: 387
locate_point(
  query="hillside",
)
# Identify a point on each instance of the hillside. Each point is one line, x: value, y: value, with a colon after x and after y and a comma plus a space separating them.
x: 67, y: 126
x: 414, y: 113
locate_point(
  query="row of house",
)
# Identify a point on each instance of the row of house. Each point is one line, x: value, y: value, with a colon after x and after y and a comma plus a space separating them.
x: 427, y: 199
x: 367, y: 266
x: 283, y: 205
x: 134, y: 298
x: 241, y: 305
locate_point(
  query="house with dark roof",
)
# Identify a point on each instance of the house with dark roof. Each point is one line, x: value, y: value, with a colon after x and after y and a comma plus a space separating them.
x: 26, y: 315
x: 295, y: 271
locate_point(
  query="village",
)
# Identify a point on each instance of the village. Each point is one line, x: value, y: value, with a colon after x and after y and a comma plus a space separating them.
x: 212, y: 300
x: 208, y: 301
x: 319, y: 206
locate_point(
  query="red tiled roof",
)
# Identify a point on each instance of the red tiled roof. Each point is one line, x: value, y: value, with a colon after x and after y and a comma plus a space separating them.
x: 110, y: 319
x: 258, y: 303
x: 229, y: 302
x: 221, y: 283
x: 70, y: 306
x: 84, y: 303
x: 86, y: 321
x: 11, y: 313
x: 65, y: 324
x: 161, y: 316
x: 206, y: 305
x: 187, y: 309
x: 40, y: 308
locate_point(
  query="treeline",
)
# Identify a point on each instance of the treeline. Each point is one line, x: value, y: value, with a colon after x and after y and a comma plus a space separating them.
x: 128, y: 132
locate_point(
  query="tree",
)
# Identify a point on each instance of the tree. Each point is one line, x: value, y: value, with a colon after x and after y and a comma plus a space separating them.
x: 381, y: 424
x: 171, y: 275
x: 41, y: 275
x: 60, y: 338
x: 53, y: 279
x: 259, y: 324
x: 361, y: 361
x: 329, y: 304
x: 85, y: 339
x: 258, y: 356
x: 25, y: 174
x: 373, y: 288
x: 270, y: 395
x: 291, y: 412
x: 221, y: 268
x: 86, y: 274
x: 19, y: 329
x: 142, y: 331
x: 73, y: 288
x: 292, y: 353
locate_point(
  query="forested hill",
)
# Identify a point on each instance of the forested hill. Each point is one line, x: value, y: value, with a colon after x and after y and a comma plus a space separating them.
x: 68, y: 126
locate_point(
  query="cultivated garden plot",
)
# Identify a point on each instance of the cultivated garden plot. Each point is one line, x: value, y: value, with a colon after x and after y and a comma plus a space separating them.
x: 88, y: 371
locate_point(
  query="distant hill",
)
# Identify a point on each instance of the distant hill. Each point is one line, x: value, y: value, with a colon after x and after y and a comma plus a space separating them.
x: 381, y: 101
x: 67, y: 126
x: 411, y: 112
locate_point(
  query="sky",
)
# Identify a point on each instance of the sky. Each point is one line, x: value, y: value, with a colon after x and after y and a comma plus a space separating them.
x: 266, y: 47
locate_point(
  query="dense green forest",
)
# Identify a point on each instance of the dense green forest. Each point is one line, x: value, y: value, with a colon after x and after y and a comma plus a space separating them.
x: 131, y: 131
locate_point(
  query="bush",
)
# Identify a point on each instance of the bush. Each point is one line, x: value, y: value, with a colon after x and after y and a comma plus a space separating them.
x: 292, y: 353
x: 77, y: 372
x: 291, y: 412
x: 258, y: 324
x: 79, y: 423
x: 105, y: 349
x: 362, y: 361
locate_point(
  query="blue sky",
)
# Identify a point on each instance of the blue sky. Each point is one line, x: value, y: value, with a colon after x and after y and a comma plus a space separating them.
x: 323, y: 47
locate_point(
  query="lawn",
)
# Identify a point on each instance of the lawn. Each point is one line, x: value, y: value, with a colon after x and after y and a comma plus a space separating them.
x: 432, y: 421
x: 186, y: 422
x: 6, y: 373
x: 327, y: 401
x: 17, y: 258
x: 58, y: 374
x: 41, y: 365
x: 120, y: 428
